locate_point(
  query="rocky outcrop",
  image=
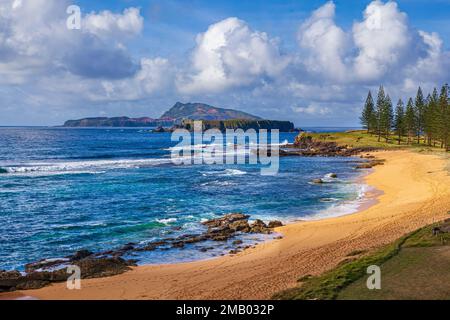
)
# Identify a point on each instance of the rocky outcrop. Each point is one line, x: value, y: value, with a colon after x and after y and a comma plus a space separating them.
x: 90, y: 267
x: 275, y: 224
x: 108, y: 263
x: 371, y: 164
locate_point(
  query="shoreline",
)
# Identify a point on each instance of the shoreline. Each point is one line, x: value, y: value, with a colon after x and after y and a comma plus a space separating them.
x: 307, y: 247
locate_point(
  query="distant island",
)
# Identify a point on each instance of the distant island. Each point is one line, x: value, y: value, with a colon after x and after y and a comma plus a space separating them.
x: 181, y: 115
x: 201, y: 111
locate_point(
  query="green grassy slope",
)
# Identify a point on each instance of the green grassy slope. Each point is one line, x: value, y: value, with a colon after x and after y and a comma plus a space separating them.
x: 413, y: 267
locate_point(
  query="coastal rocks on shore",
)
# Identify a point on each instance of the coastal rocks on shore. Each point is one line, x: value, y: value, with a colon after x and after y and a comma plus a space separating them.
x: 275, y: 224
x: 108, y: 263
x: 371, y: 164
x: 90, y: 267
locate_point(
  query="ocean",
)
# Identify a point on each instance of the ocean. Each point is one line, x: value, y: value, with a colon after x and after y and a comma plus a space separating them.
x: 62, y: 190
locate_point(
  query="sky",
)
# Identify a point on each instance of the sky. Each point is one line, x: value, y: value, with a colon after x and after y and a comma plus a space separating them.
x: 311, y: 62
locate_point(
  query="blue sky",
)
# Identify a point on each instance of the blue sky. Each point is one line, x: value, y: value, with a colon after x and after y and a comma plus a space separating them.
x: 307, y: 61
x: 279, y: 18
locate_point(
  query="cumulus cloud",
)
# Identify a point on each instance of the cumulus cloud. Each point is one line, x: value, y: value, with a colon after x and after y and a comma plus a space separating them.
x: 324, y: 44
x: 384, y: 40
x: 231, y: 54
x: 34, y: 41
x: 155, y: 78
x: 121, y: 26
x: 325, y: 76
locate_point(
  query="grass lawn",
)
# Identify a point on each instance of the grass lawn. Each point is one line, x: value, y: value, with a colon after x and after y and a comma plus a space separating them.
x: 361, y: 138
x: 415, y: 273
x: 417, y: 266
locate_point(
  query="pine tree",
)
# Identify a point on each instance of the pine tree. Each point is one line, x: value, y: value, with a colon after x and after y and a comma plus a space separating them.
x: 381, y: 98
x: 368, y: 117
x: 399, y: 120
x: 387, y: 117
x: 410, y: 119
x: 419, y: 108
x: 431, y: 117
x: 444, y: 122
x: 427, y: 119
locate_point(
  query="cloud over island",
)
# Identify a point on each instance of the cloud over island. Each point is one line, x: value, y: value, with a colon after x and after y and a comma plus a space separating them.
x: 49, y: 73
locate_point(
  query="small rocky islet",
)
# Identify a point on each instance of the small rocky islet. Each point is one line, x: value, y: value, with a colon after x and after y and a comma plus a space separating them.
x: 108, y: 263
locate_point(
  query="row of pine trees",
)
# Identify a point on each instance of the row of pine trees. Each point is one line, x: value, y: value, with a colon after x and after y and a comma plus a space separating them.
x: 422, y: 120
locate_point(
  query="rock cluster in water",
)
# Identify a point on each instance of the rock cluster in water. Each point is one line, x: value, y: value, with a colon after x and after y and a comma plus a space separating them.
x: 108, y: 263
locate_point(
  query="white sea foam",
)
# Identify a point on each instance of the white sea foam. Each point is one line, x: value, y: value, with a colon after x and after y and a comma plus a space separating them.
x: 78, y: 167
x: 224, y: 173
x: 167, y: 221
x: 344, y: 207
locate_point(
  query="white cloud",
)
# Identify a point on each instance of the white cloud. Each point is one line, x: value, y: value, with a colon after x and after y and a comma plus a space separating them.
x: 312, y: 109
x: 108, y: 25
x: 229, y: 54
x: 384, y: 41
x: 324, y: 44
x: 154, y: 78
x: 44, y: 65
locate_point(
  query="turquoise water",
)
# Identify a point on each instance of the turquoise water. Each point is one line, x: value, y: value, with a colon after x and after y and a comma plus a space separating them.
x: 98, y: 189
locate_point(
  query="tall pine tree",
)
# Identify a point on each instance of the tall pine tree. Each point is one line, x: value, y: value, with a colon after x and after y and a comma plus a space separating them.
x: 381, y: 104
x: 399, y: 120
x: 444, y: 122
x: 410, y: 120
x: 368, y: 116
x: 387, y: 117
x: 419, y: 111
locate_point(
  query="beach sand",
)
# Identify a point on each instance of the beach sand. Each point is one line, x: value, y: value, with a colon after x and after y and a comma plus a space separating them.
x: 415, y: 192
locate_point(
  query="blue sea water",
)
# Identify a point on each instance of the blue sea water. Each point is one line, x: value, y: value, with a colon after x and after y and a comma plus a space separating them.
x: 98, y: 189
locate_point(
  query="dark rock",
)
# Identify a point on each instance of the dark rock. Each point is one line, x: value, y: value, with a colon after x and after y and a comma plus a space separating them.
x: 89, y: 267
x: 371, y: 164
x: 259, y: 226
x: 234, y: 251
x: 333, y: 175
x: 317, y: 181
x: 240, y: 225
x: 32, y: 284
x: 237, y: 242
x: 104, y: 267
x: 364, y: 166
x: 179, y: 244
x: 81, y: 254
x: 225, y: 220
x: 43, y: 264
x: 275, y: 224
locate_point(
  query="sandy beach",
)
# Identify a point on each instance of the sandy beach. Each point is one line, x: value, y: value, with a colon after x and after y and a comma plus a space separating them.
x: 415, y: 191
